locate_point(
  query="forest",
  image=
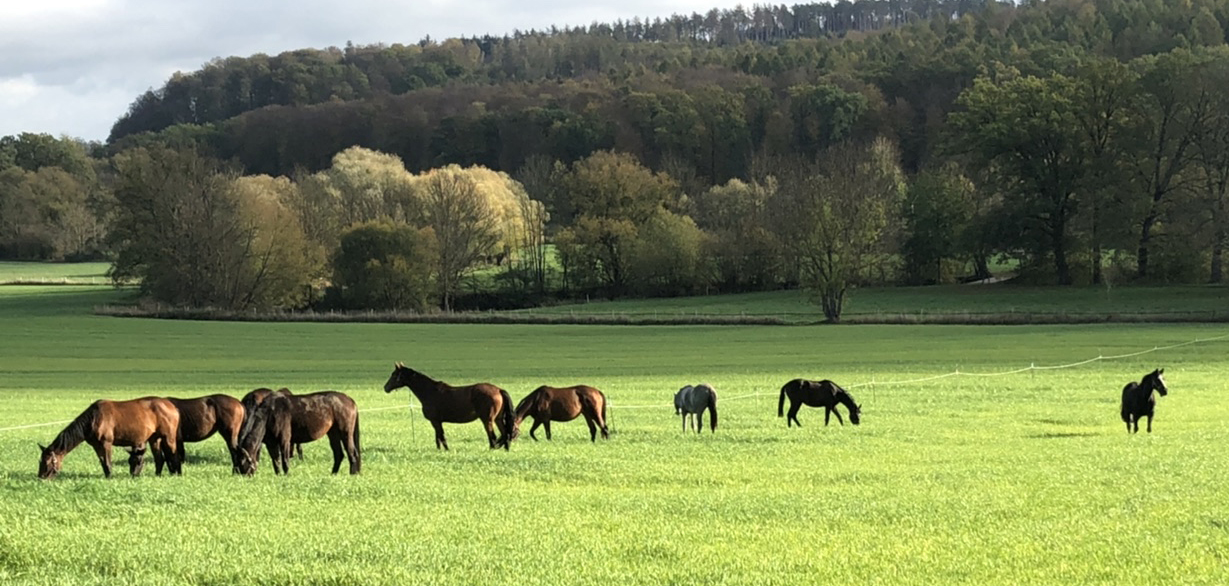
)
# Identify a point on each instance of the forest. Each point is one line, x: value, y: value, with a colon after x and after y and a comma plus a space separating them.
x: 823, y: 146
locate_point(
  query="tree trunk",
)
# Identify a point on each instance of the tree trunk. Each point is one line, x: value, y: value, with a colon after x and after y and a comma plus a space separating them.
x: 1061, y: 268
x: 1145, y: 239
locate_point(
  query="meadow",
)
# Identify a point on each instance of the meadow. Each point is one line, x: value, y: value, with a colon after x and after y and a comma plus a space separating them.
x: 1016, y: 478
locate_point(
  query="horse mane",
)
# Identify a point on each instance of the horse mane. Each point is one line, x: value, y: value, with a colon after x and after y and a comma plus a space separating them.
x: 74, y: 433
x: 523, y: 407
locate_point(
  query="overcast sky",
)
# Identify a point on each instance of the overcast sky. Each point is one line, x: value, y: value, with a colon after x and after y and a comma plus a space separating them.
x: 72, y: 67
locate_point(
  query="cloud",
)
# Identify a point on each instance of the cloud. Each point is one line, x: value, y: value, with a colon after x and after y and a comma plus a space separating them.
x: 74, y: 66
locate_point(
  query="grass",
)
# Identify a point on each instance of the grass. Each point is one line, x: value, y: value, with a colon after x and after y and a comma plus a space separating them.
x: 1024, y: 478
x: 890, y: 302
x: 93, y: 273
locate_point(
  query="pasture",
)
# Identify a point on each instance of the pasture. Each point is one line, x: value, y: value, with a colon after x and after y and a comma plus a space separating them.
x: 1020, y: 478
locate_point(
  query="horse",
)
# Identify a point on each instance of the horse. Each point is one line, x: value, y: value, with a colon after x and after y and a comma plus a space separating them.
x: 693, y: 401
x: 283, y: 419
x: 547, y: 404
x: 117, y: 423
x: 201, y: 417
x: 824, y: 393
x: 252, y: 400
x: 1138, y: 401
x: 443, y: 403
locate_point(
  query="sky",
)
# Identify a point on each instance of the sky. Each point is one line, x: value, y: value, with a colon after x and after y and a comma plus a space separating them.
x: 72, y: 67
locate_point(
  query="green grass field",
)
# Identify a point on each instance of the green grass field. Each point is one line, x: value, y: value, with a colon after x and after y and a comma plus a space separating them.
x: 94, y: 273
x: 1021, y: 478
x: 946, y: 299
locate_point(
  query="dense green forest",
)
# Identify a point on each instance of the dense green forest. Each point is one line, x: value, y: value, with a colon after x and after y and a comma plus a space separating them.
x: 819, y: 145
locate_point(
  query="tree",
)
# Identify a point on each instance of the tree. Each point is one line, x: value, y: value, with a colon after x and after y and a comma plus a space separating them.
x: 193, y: 235
x: 383, y: 265
x: 1210, y: 162
x: 833, y: 215
x: 1024, y: 133
x: 937, y: 211
x: 743, y: 249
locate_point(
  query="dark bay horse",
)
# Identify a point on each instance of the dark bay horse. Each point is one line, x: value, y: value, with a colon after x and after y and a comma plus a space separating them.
x: 824, y: 393
x: 443, y: 403
x: 693, y: 401
x: 252, y: 400
x: 104, y: 424
x: 1138, y: 400
x: 547, y: 404
x: 282, y: 420
x: 201, y: 417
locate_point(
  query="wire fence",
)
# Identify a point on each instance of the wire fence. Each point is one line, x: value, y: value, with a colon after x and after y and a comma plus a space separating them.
x: 1031, y: 367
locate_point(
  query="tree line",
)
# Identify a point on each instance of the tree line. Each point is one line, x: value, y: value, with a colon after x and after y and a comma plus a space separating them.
x: 1080, y: 139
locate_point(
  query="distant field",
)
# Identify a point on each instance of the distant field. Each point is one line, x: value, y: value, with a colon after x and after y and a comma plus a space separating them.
x: 1018, y: 478
x: 947, y: 299
x: 71, y: 273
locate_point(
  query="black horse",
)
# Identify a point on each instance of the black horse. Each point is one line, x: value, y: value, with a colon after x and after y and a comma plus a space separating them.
x: 824, y: 393
x: 1138, y: 400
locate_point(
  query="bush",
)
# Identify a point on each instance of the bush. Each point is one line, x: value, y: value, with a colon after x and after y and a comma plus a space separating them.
x: 382, y: 265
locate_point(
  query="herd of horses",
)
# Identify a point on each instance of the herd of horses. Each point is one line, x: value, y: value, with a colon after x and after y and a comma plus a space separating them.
x: 282, y: 421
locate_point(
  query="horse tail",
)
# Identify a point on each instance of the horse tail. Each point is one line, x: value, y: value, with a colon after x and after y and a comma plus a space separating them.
x: 781, y: 400
x: 509, y: 418
x: 712, y: 409
x: 523, y: 407
x: 358, y: 449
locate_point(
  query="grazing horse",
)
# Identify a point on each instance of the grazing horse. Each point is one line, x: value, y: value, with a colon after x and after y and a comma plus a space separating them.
x: 824, y: 393
x: 547, y: 404
x: 282, y: 420
x: 117, y: 423
x: 1138, y: 400
x: 443, y: 403
x: 693, y: 401
x: 251, y: 401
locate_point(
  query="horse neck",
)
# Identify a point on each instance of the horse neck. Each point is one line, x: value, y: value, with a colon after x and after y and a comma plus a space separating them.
x: 842, y: 397
x: 73, y: 434
x: 423, y: 386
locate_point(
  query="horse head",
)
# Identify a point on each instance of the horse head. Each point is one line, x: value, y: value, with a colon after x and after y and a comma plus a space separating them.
x: 855, y: 414
x: 49, y: 463
x: 1158, y: 381
x: 399, y: 378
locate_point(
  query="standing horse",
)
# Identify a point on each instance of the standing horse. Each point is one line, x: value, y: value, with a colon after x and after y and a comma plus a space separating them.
x: 443, y: 403
x: 282, y: 420
x: 117, y: 423
x: 201, y: 417
x: 1138, y: 401
x: 547, y: 404
x: 824, y: 393
x: 693, y: 401
x: 251, y: 401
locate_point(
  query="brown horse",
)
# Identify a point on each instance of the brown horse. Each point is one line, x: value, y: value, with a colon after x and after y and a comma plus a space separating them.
x: 201, y: 417
x: 117, y: 423
x: 252, y: 400
x: 824, y: 393
x: 443, y: 403
x: 283, y: 419
x: 547, y: 404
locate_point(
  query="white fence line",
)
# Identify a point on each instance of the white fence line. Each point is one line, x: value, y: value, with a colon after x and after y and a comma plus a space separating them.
x: 957, y: 372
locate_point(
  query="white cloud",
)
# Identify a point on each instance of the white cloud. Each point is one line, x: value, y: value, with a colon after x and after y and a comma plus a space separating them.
x: 73, y: 66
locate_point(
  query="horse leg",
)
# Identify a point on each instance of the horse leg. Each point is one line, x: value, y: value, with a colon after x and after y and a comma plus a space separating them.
x: 298, y: 451
x: 489, y: 424
x: 352, y: 450
x: 156, y: 446
x: 592, y: 428
x: 536, y: 423
x: 684, y: 422
x: 546, y: 424
x: 104, y: 457
x: 792, y: 416
x: 335, y: 443
x: 837, y: 412
x: 440, y: 442
x: 1149, y: 424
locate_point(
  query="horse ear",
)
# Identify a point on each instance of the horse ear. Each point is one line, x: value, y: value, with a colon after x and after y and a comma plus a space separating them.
x: 41, y: 448
x: 1160, y: 371
x: 399, y: 364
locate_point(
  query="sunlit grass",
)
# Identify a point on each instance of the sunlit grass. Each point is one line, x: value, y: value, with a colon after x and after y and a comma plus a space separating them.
x: 1024, y: 478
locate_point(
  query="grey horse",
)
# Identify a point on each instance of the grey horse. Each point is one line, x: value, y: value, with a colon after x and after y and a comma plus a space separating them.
x: 693, y: 401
